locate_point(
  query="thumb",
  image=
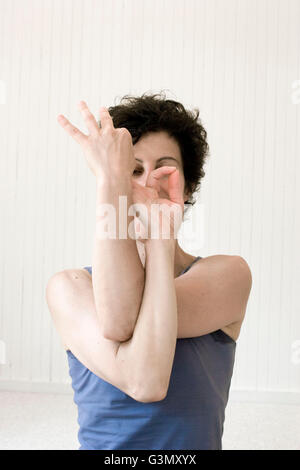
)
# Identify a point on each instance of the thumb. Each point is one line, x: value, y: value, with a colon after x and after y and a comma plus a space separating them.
x: 156, y: 175
x: 174, y: 188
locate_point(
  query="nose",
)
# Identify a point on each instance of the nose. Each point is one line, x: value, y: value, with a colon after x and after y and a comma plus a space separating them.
x: 143, y: 178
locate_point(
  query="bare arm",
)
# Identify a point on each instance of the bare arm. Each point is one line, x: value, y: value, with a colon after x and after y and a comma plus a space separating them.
x: 118, y: 274
x: 148, y: 355
x: 212, y: 295
x: 141, y: 366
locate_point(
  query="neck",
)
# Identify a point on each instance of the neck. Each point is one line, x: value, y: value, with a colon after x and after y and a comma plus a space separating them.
x: 182, y: 259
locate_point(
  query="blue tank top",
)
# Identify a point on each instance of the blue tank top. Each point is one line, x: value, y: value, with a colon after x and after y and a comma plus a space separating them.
x: 191, y: 416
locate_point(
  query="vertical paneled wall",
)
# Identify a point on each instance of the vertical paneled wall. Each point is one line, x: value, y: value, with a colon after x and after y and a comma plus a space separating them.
x: 235, y: 60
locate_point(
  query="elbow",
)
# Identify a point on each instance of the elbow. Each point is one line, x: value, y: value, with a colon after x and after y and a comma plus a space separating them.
x: 150, y: 396
x: 114, y: 334
x: 118, y: 328
x: 149, y: 393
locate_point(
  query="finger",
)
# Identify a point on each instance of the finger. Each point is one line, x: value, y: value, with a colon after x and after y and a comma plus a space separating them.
x: 105, y: 119
x: 89, y: 118
x: 71, y: 130
x: 174, y: 189
x: 156, y: 175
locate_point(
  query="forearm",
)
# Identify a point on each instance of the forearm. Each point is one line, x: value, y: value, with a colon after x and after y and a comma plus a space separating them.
x: 118, y: 274
x: 148, y: 356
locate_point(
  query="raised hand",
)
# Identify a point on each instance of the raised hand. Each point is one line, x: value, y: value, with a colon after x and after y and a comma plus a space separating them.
x: 108, y: 150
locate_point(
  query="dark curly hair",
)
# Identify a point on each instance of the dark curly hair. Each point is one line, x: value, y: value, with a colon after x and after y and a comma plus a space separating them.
x: 153, y: 113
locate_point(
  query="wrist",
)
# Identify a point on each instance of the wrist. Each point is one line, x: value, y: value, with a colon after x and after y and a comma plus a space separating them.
x: 160, y: 244
x: 115, y: 182
x: 159, y: 253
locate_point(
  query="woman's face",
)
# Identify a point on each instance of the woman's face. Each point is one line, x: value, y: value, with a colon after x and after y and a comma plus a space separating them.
x: 152, y: 151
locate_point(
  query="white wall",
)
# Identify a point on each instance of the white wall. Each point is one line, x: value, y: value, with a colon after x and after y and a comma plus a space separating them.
x: 236, y: 60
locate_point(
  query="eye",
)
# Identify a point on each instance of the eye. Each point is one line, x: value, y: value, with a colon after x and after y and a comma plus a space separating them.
x: 138, y: 171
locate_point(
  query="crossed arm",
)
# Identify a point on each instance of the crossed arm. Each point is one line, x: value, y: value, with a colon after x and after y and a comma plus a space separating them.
x: 140, y: 366
x: 124, y: 321
x: 213, y: 295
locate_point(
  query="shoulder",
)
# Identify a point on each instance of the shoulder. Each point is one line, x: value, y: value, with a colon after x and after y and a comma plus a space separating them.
x: 242, y: 273
x: 234, y: 266
x: 66, y: 276
x: 229, y: 279
x: 224, y: 260
x: 65, y: 281
x: 230, y: 269
x: 66, y: 289
x: 239, y: 271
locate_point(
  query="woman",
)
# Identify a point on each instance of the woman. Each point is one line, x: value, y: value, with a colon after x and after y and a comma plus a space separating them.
x: 150, y: 341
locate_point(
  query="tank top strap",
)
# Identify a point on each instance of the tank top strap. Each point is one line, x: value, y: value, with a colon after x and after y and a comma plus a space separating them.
x: 190, y: 265
x: 89, y: 269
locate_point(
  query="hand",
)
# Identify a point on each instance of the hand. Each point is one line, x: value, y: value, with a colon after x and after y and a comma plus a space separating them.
x: 163, y: 180
x: 108, y: 150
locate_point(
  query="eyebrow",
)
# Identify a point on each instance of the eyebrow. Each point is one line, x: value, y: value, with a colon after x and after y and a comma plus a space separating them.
x: 161, y: 158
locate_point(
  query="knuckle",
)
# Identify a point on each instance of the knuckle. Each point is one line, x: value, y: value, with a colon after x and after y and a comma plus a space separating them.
x: 124, y: 131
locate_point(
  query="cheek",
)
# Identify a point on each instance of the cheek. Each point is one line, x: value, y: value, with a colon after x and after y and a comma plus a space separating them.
x: 139, y: 180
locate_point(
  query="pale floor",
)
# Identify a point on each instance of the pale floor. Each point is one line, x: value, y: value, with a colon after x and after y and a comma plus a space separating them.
x: 49, y: 421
